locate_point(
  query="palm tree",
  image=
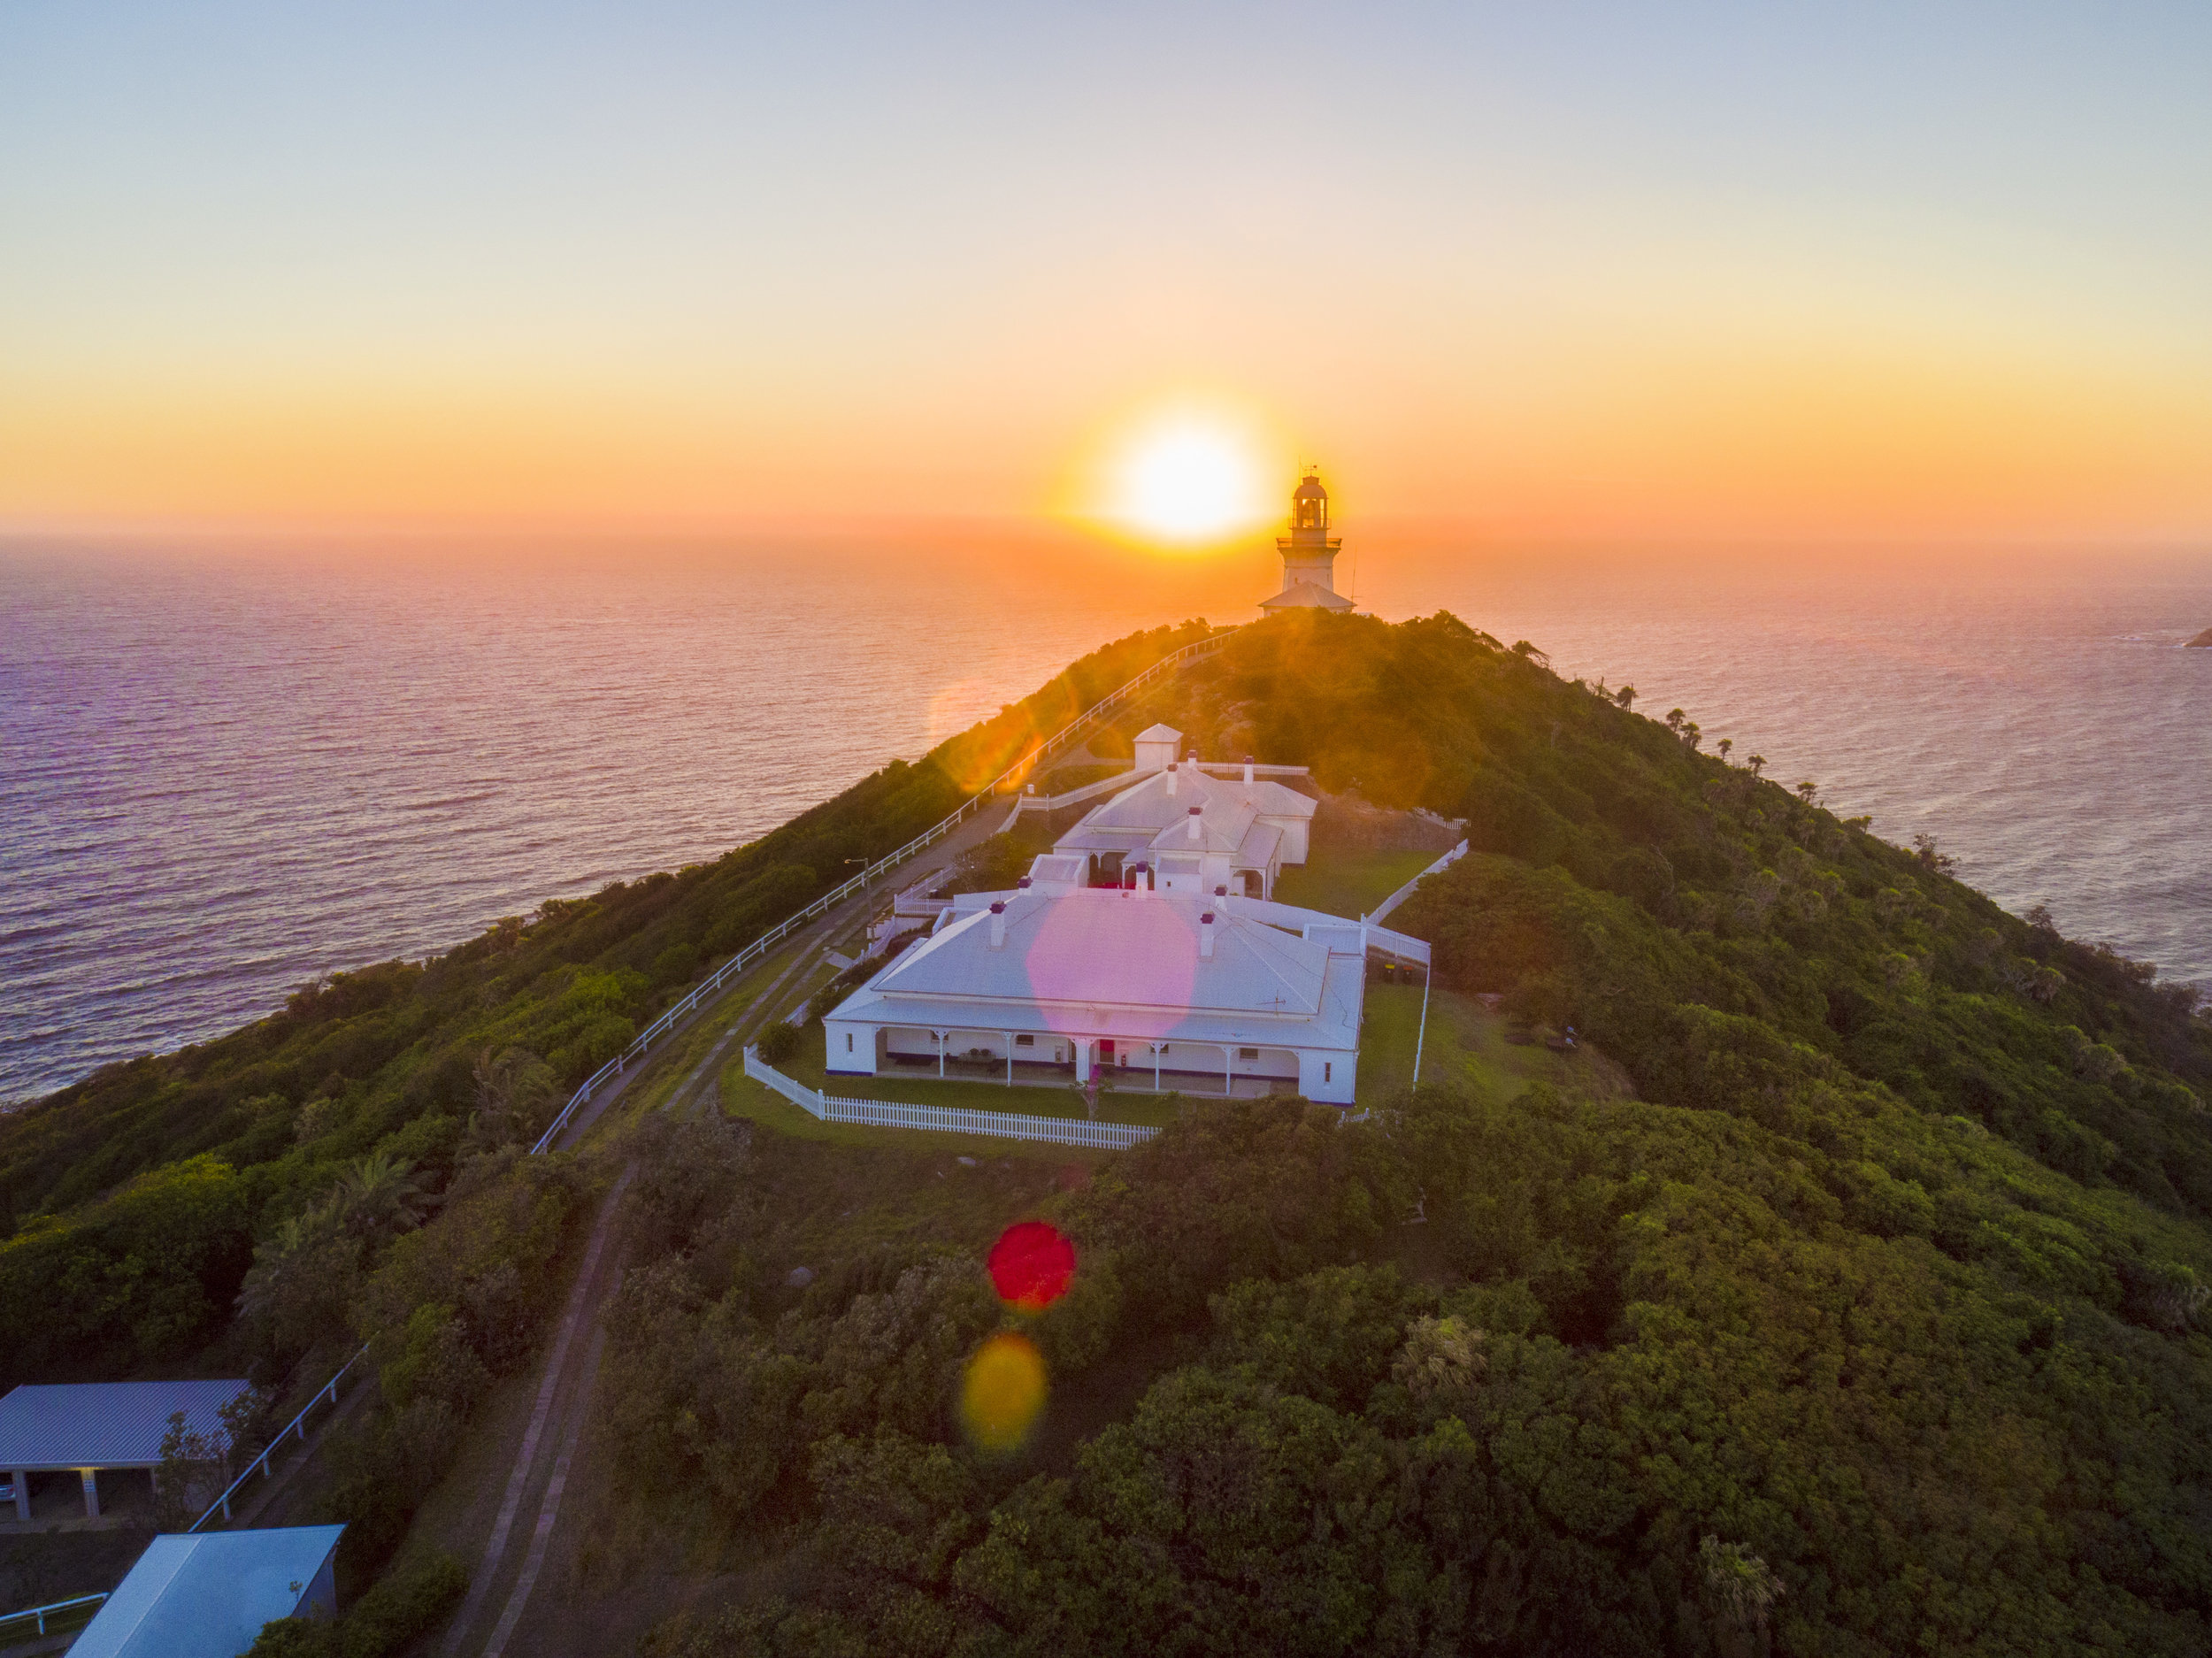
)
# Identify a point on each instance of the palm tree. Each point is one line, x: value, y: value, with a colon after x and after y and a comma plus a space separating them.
x: 1626, y: 696
x: 1675, y: 716
x: 1725, y: 745
x: 379, y: 1193
x: 1758, y: 763
x: 1807, y: 790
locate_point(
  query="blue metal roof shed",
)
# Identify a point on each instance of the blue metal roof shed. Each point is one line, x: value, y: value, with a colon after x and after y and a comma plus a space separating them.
x: 90, y: 1425
x: 206, y: 1595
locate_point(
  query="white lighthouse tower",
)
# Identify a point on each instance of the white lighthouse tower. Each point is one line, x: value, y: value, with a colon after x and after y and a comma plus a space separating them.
x: 1309, y: 554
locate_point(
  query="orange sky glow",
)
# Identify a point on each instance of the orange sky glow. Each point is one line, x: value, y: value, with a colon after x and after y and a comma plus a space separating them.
x: 1516, y: 288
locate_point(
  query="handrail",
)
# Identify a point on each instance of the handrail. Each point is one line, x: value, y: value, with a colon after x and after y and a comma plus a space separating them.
x: 40, y: 1612
x: 260, y: 1464
x: 758, y: 949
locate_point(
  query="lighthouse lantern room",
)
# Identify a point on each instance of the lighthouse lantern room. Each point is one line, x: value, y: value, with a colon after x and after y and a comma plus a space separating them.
x: 1309, y: 553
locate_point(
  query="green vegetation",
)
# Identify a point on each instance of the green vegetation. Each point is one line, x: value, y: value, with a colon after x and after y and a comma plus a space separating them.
x: 1466, y: 1046
x: 141, y: 1194
x: 1846, y: 1294
x: 967, y: 1092
x: 1349, y: 883
x: 413, y: 1598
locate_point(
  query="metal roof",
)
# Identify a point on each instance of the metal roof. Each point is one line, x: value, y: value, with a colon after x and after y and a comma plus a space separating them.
x: 207, y: 1596
x: 105, y: 1425
x: 1150, y: 807
x: 1109, y: 959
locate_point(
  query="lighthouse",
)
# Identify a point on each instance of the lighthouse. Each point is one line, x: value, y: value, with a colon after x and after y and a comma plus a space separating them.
x: 1309, y: 554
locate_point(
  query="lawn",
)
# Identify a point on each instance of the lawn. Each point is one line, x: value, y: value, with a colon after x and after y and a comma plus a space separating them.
x: 1348, y: 883
x: 1465, y: 1045
x: 957, y: 1092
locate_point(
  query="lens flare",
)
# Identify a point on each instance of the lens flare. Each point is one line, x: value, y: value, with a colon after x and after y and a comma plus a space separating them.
x: 1030, y: 1264
x: 1002, y: 1392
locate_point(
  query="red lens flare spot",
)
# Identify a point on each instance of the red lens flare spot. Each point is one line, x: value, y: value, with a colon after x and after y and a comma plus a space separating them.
x: 1030, y: 1264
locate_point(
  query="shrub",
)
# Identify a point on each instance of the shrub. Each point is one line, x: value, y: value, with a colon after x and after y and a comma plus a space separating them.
x: 778, y: 1042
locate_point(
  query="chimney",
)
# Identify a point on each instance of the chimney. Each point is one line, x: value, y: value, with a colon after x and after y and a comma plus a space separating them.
x: 1022, y: 886
x: 1248, y: 768
x: 998, y: 926
x: 1197, y: 832
x: 1170, y: 780
x: 1206, y: 936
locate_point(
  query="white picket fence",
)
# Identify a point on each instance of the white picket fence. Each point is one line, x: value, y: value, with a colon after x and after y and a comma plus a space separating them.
x: 943, y: 1119
x: 758, y: 950
x: 1406, y: 891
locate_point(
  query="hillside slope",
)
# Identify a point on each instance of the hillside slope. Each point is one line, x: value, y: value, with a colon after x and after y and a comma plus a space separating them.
x: 1876, y: 1323
x: 1873, y: 1320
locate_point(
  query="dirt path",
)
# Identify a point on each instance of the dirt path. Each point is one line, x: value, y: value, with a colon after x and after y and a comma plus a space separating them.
x: 499, y: 1615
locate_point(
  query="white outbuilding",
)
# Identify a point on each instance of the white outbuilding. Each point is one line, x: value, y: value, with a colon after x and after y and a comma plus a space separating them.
x: 207, y: 1594
x: 1165, y: 989
x: 1193, y: 832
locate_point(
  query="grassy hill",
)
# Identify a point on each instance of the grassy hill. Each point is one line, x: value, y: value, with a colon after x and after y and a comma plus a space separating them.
x: 1849, y: 1300
x: 1846, y: 1293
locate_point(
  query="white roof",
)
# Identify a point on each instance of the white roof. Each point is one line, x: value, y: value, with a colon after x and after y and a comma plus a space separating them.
x: 207, y: 1596
x: 105, y: 1425
x: 1305, y: 594
x: 1147, y: 808
x: 1159, y: 733
x: 1109, y: 960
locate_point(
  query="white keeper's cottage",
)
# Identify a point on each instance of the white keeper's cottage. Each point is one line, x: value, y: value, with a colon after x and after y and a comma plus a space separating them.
x: 1144, y: 947
x: 1063, y: 982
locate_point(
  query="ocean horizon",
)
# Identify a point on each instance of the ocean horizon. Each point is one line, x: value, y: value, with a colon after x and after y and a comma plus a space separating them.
x: 218, y: 786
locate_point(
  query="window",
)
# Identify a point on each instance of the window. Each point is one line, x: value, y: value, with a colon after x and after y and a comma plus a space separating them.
x: 1247, y: 1053
x: 1327, y: 1069
x: 848, y: 1042
x: 1024, y: 1041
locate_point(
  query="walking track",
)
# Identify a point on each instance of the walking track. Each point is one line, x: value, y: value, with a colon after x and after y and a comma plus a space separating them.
x: 501, y: 1582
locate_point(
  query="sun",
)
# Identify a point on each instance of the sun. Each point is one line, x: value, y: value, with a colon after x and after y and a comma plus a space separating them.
x: 1188, y: 482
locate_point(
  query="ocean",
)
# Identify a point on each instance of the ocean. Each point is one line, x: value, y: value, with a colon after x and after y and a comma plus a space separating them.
x: 225, y: 773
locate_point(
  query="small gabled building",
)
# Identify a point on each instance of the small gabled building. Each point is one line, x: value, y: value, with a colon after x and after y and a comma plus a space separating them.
x: 207, y: 1594
x: 1193, y: 832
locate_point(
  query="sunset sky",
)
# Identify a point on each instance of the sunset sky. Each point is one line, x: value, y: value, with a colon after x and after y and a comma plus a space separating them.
x: 1623, y: 272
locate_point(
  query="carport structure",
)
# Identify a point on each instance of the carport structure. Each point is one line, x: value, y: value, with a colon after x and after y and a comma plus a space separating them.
x: 88, y: 1426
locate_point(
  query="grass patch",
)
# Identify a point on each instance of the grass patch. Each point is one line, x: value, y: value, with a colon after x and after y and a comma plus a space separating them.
x: 767, y: 1110
x: 1348, y: 883
x: 1465, y: 1047
x: 963, y: 1093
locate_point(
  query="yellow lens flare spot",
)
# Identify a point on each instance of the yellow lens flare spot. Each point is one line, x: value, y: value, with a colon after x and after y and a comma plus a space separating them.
x: 1189, y: 482
x: 1002, y: 1392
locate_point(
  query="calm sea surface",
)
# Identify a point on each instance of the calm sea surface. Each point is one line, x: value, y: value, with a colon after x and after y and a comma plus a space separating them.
x: 220, y: 777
